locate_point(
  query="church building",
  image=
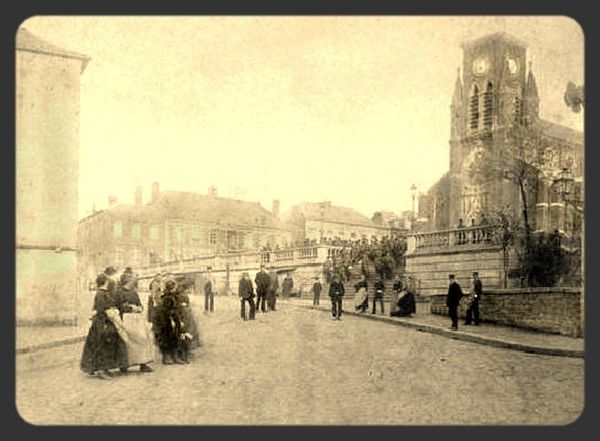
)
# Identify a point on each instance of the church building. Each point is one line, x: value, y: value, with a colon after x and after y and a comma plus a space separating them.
x: 496, y: 134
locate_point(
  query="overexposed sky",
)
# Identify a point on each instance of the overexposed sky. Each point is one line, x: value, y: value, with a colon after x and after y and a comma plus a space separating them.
x: 347, y: 109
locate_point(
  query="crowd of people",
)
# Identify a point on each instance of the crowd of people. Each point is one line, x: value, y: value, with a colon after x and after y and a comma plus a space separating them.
x: 122, y: 336
x: 382, y: 255
x: 402, y: 298
x: 266, y: 293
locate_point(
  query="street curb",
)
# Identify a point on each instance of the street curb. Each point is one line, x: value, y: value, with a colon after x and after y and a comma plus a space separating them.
x: 49, y: 345
x: 458, y: 335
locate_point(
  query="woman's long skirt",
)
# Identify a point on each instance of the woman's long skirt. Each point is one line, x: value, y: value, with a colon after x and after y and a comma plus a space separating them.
x: 103, y: 349
x: 140, y: 347
x: 361, y: 300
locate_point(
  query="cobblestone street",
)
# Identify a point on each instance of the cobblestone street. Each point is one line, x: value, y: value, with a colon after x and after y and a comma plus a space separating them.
x: 297, y: 366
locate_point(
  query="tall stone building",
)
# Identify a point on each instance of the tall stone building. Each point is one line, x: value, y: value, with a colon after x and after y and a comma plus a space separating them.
x: 494, y: 101
x: 47, y: 173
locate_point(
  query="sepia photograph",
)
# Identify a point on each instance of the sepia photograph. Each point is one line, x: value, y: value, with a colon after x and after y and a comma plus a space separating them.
x: 299, y: 220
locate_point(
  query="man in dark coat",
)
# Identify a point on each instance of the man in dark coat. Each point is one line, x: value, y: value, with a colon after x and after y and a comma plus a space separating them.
x: 262, y: 281
x: 209, y: 295
x: 452, y: 301
x: 273, y: 288
x: 473, y: 309
x: 246, y: 294
x: 378, y: 296
x: 316, y: 290
x: 336, y: 292
x: 286, y: 286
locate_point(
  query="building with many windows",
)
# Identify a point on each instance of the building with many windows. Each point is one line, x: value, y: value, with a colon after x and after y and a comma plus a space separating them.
x: 322, y: 221
x: 174, y: 226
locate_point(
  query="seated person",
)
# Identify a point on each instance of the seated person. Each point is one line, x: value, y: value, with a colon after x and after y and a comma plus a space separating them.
x: 406, y: 305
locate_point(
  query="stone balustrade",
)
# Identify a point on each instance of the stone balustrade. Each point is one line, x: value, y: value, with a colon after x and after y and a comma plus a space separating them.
x: 460, y: 237
x: 252, y: 259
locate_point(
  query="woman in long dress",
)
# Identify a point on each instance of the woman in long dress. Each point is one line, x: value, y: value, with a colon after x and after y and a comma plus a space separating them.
x: 135, y: 327
x: 361, y: 301
x: 169, y: 326
x: 104, y: 349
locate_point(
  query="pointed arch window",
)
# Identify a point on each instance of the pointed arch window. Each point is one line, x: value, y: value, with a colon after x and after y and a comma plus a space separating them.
x: 518, y: 110
x: 488, y: 97
x: 474, y: 108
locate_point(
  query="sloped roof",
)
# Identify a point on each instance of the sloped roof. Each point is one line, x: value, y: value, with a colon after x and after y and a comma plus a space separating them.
x: 559, y: 131
x: 205, y: 208
x: 27, y: 41
x: 194, y: 207
x: 324, y: 211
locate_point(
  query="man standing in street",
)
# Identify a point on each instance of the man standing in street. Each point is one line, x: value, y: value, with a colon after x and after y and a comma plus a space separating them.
x: 452, y: 301
x: 473, y: 309
x: 286, y: 286
x: 209, y: 295
x: 273, y: 288
x: 316, y: 290
x: 336, y: 292
x: 378, y: 296
x: 246, y: 294
x: 262, y: 281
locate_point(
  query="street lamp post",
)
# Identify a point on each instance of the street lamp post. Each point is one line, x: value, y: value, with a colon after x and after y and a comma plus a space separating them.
x: 413, y: 190
x: 564, y: 186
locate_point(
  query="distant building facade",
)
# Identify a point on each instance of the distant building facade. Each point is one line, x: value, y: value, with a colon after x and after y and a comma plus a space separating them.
x: 174, y: 226
x: 495, y: 95
x: 47, y: 174
x: 322, y: 221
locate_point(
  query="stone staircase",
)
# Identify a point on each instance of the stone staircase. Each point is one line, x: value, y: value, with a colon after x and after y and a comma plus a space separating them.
x: 372, y: 277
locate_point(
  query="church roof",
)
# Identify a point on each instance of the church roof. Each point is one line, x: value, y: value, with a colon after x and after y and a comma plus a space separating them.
x: 558, y: 131
x: 497, y: 36
x: 27, y: 41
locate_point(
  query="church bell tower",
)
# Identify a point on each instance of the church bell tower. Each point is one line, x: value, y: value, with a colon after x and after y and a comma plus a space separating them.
x: 493, y: 94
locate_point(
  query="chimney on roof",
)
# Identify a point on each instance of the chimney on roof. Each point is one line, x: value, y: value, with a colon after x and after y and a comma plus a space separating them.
x: 155, y: 191
x: 275, y: 209
x: 138, y: 196
x: 112, y: 200
x: 212, y: 191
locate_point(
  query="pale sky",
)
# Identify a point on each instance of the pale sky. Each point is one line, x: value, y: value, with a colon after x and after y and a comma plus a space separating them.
x: 348, y: 109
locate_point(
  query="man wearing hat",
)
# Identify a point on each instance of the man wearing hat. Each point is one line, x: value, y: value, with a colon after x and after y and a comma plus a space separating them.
x: 262, y: 281
x: 316, y: 290
x: 246, y: 294
x: 209, y: 295
x: 452, y: 300
x: 273, y: 288
x: 473, y: 309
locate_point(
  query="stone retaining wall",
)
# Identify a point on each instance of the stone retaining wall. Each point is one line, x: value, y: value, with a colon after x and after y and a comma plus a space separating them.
x: 553, y: 310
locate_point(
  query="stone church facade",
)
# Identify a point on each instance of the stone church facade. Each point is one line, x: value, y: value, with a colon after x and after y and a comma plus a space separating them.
x: 495, y: 123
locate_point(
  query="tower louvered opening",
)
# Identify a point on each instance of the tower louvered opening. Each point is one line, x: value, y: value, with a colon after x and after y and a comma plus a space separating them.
x: 474, y: 109
x: 488, y: 107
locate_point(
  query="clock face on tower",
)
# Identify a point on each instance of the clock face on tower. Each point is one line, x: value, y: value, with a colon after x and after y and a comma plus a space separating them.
x: 512, y: 65
x: 480, y: 66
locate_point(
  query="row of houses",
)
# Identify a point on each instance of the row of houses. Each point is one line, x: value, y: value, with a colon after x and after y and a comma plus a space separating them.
x: 175, y: 226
